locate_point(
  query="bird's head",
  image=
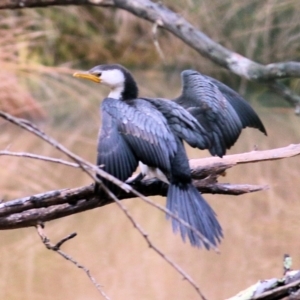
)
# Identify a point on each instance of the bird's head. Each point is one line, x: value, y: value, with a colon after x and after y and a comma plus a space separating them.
x: 116, y: 77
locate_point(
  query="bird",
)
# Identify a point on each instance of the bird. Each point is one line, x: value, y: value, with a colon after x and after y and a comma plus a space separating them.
x: 218, y: 108
x: 151, y: 131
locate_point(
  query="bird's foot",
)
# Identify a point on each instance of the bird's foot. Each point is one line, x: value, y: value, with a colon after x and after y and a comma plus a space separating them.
x: 136, y: 179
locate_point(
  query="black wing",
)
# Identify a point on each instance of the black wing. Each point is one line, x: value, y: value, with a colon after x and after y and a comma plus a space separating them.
x: 113, y: 152
x: 244, y: 110
x: 182, y: 123
x: 212, y: 110
x: 143, y: 130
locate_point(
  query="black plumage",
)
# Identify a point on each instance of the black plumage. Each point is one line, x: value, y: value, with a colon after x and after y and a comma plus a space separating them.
x: 151, y: 131
x: 135, y: 130
x: 219, y: 109
x: 207, y: 115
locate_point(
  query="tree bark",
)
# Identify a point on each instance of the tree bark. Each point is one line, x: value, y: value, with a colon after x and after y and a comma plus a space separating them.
x: 31, y: 210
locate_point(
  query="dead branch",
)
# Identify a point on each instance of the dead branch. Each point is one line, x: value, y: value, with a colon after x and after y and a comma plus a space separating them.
x: 270, y: 289
x: 56, y: 248
x: 52, y: 205
x: 39, y: 157
x: 274, y: 288
x: 159, y: 14
x: 139, y: 228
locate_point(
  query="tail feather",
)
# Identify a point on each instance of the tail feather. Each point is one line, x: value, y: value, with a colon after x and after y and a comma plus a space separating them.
x: 188, y: 204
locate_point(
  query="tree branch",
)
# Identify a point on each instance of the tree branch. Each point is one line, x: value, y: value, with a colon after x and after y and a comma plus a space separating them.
x: 39, y: 157
x: 56, y: 248
x: 15, y: 4
x: 160, y: 15
x: 27, y: 211
x: 274, y: 289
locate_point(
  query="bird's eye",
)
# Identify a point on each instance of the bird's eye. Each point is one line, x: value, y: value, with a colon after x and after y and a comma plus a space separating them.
x: 98, y: 74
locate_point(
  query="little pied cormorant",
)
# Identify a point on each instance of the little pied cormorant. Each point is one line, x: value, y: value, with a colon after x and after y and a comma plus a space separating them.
x: 151, y: 131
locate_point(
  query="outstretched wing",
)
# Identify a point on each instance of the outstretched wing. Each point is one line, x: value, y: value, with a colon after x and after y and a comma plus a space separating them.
x: 144, y: 131
x: 222, y: 121
x: 248, y: 116
x: 182, y: 123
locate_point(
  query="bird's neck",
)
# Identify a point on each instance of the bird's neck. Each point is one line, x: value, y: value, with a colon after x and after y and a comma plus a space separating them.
x: 116, y: 92
x: 127, y: 91
x: 130, y: 90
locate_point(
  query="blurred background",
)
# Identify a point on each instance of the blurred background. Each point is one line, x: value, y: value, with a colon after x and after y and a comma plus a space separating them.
x: 40, y: 49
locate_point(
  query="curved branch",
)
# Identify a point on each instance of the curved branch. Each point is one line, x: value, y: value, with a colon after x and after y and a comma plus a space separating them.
x: 15, y: 4
x: 177, y: 25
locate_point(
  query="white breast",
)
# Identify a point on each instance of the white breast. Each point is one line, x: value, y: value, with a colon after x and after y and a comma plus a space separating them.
x: 150, y: 172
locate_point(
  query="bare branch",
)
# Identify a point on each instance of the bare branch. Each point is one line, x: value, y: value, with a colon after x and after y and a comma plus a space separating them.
x: 156, y: 249
x: 39, y: 157
x: 287, y: 94
x: 156, y: 42
x: 51, y: 205
x: 161, y: 16
x: 27, y: 211
x: 279, y: 292
x: 229, y: 161
x: 56, y: 248
x: 15, y: 4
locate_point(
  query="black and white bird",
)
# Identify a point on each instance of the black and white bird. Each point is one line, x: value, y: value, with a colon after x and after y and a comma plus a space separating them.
x: 151, y: 131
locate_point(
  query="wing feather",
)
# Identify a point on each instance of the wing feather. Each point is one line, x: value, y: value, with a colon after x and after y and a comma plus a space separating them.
x: 114, y: 153
x: 214, y: 112
x: 244, y: 110
x: 182, y: 123
x: 144, y: 130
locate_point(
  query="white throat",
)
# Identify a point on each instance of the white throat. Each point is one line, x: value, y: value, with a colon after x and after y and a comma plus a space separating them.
x: 116, y: 92
x: 115, y: 79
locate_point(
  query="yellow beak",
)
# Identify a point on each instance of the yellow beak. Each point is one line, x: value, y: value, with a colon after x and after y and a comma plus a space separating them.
x: 86, y: 75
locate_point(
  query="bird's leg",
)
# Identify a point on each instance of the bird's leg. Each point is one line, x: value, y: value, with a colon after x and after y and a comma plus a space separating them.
x: 135, y: 179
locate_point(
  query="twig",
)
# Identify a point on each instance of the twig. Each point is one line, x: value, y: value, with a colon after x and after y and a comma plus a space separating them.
x: 39, y: 157
x: 56, y: 248
x: 274, y: 288
x: 155, y: 39
x: 278, y: 293
x: 151, y: 245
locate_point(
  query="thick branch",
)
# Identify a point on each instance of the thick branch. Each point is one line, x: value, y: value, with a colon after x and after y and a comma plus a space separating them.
x: 14, y: 4
x: 177, y: 25
x: 273, y: 289
x: 52, y: 205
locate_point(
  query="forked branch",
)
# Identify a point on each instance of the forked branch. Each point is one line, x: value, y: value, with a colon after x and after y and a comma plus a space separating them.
x: 56, y: 248
x: 51, y: 205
